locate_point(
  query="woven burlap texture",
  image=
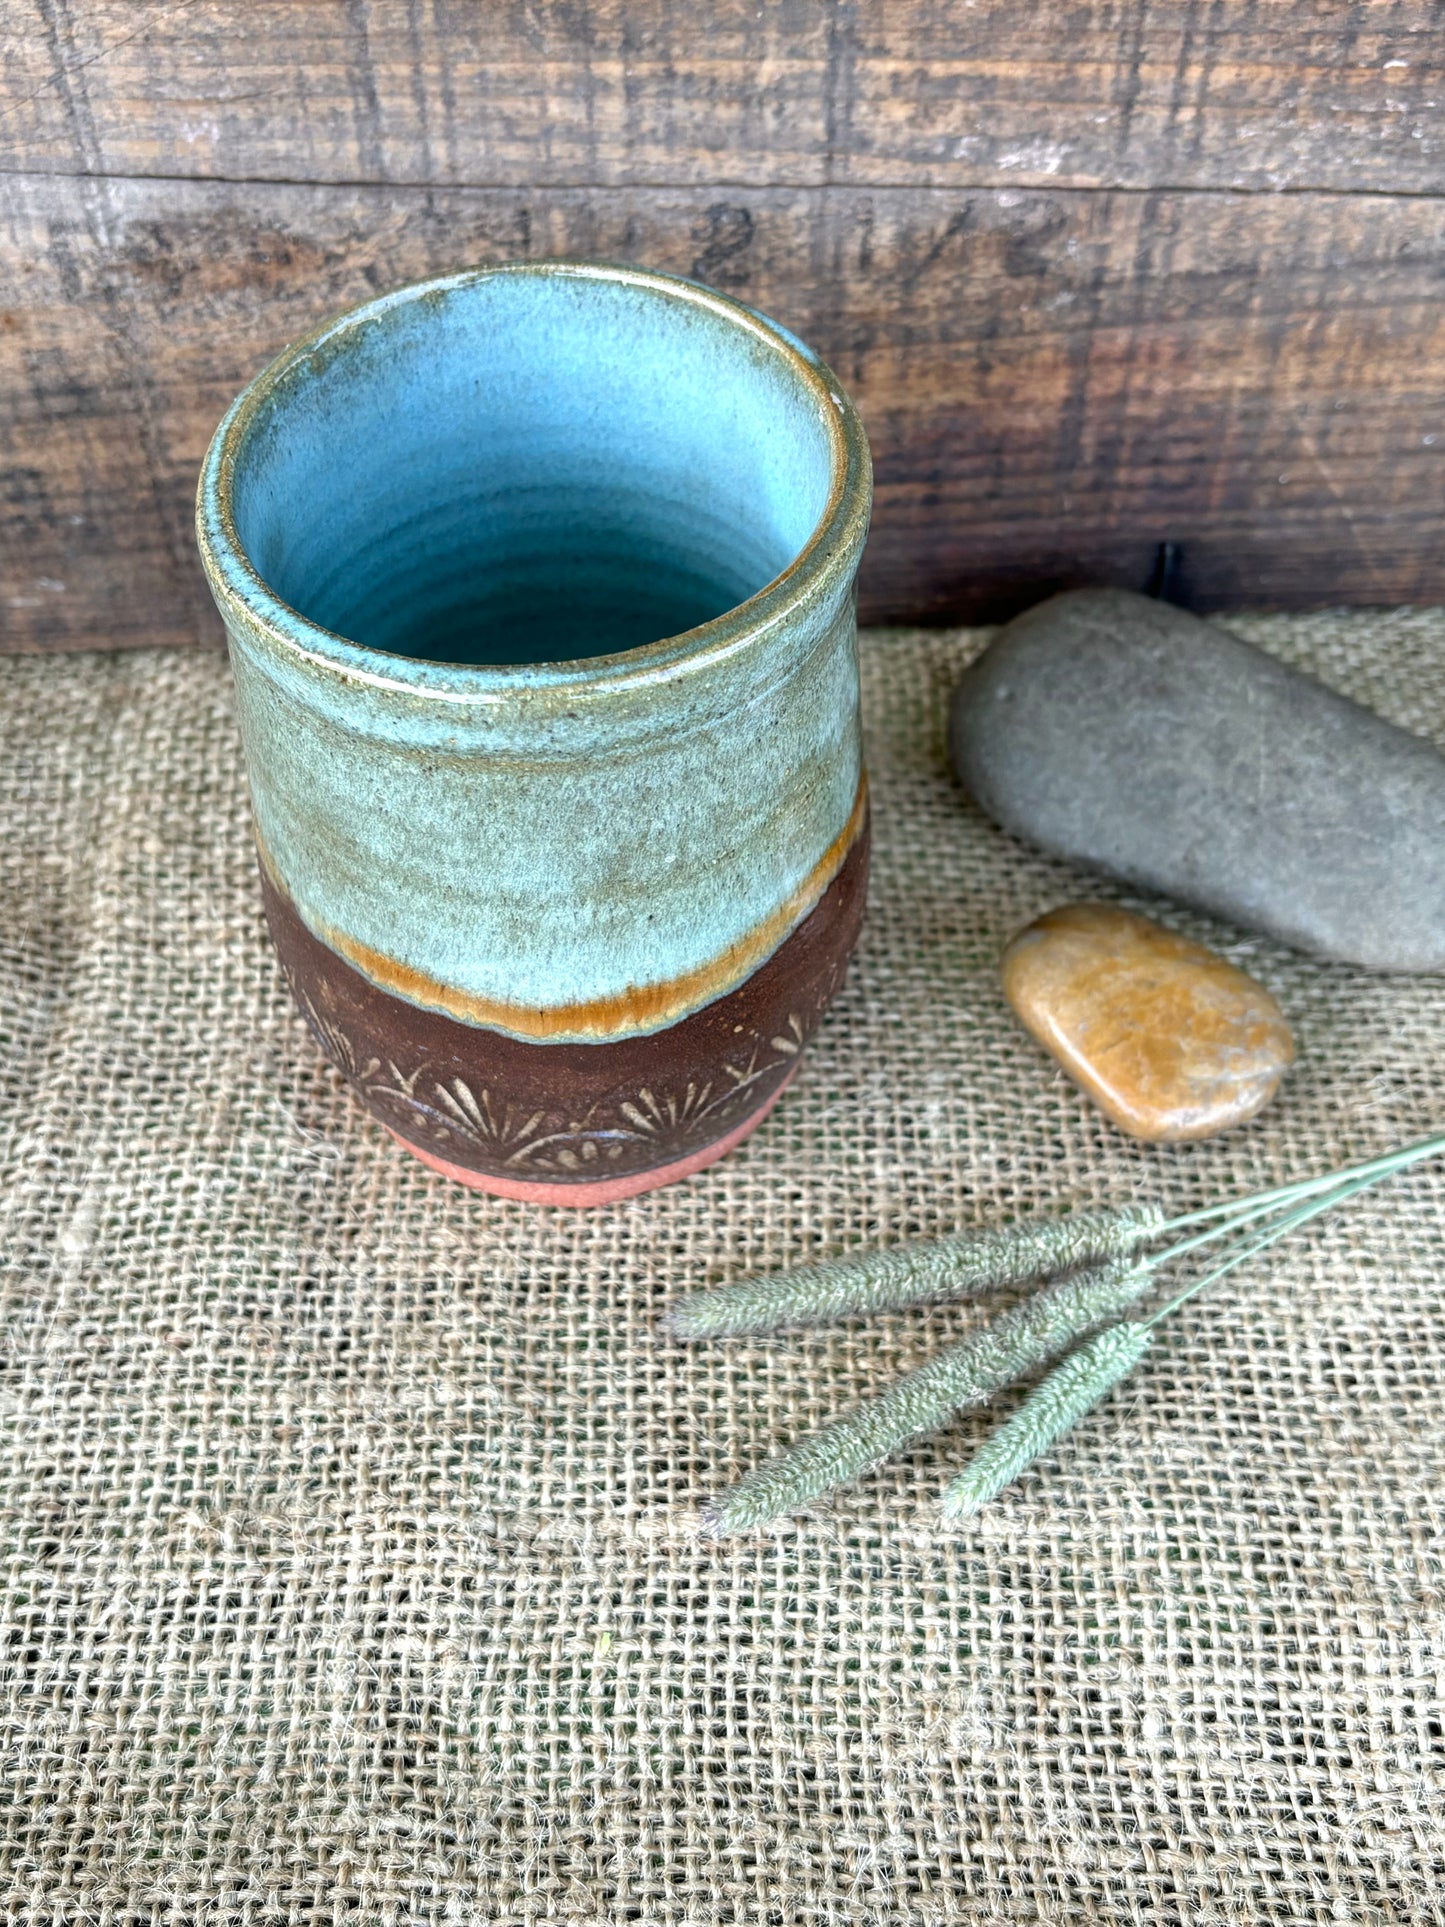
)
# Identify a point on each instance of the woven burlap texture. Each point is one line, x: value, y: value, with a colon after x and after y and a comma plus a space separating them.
x: 351, y: 1556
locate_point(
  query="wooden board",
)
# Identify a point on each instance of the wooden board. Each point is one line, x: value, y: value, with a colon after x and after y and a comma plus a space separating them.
x: 1262, y: 94
x: 1054, y: 381
x: 1046, y: 246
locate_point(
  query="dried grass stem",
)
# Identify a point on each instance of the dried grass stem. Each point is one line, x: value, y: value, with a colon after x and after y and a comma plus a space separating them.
x: 965, y: 1374
x: 919, y: 1274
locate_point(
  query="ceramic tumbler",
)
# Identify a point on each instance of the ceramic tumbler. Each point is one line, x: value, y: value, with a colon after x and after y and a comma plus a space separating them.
x: 539, y: 584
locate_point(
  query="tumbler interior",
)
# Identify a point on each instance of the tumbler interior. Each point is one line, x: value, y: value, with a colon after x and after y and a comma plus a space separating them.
x: 523, y: 467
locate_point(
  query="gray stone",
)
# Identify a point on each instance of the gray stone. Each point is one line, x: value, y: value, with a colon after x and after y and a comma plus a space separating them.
x: 1127, y: 735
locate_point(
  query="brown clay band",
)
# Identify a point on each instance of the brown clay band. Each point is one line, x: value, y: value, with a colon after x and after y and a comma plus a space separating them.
x: 569, y: 1114
x: 601, y: 1190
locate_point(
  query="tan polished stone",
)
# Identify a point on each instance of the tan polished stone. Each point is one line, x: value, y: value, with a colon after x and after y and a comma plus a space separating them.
x: 1167, y: 1038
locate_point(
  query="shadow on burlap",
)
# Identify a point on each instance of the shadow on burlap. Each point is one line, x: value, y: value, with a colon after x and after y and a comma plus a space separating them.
x: 351, y: 1567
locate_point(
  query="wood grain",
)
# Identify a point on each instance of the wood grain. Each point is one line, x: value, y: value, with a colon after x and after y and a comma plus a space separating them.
x: 1054, y: 381
x: 1264, y: 94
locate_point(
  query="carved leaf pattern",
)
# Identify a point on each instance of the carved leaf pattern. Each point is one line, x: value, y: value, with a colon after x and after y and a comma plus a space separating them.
x: 463, y: 1120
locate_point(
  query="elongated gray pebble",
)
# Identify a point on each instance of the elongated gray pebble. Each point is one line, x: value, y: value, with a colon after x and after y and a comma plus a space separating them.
x: 1130, y: 736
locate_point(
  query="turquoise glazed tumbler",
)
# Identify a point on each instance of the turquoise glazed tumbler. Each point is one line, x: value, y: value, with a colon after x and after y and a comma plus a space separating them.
x: 539, y: 582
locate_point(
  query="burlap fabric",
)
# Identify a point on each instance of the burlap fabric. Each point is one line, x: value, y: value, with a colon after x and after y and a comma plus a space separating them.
x: 350, y: 1556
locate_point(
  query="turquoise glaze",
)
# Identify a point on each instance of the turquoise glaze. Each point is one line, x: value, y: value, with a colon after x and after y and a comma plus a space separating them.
x: 539, y: 588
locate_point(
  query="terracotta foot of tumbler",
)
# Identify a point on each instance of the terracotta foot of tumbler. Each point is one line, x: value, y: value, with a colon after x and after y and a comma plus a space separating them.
x: 539, y: 589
